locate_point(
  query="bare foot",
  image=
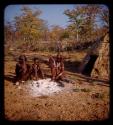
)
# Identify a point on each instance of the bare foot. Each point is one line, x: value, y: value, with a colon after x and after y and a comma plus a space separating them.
x: 17, y: 83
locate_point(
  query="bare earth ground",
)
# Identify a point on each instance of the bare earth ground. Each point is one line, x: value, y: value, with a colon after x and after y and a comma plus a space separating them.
x: 77, y: 104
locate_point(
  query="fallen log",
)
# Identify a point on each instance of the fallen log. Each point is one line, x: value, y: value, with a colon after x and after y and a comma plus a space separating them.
x: 67, y: 80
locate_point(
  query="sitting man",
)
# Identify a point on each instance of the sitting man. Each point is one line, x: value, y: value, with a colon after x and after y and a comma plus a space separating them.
x: 36, y: 71
x: 22, y: 69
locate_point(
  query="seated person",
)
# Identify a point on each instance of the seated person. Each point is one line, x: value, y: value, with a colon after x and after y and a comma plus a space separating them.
x: 22, y: 69
x: 36, y: 71
x: 59, y: 67
x: 52, y: 65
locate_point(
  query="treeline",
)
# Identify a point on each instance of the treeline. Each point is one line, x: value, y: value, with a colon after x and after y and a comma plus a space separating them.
x: 30, y: 32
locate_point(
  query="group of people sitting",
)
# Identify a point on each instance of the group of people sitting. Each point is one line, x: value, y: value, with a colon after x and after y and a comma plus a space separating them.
x: 25, y: 71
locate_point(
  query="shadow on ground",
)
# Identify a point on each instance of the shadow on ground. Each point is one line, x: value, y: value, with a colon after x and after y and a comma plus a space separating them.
x: 72, y: 66
x: 10, y: 78
x: 84, y: 78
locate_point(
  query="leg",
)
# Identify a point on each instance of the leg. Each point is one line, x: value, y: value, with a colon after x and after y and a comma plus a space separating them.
x: 41, y: 74
x: 53, y: 72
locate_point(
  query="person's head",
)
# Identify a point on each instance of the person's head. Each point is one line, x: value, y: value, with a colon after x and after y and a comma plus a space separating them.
x: 50, y: 56
x: 36, y: 61
x: 22, y: 58
x: 59, y: 57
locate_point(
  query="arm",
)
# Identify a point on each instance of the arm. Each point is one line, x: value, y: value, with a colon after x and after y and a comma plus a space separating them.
x: 18, y: 69
x: 61, y: 71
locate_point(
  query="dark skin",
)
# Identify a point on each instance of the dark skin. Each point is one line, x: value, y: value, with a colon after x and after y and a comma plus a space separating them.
x: 22, y: 70
x: 60, y: 67
x: 57, y: 67
x: 36, y: 71
x: 52, y: 67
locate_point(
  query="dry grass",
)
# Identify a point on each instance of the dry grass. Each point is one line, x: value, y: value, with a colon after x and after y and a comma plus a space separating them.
x: 70, y: 105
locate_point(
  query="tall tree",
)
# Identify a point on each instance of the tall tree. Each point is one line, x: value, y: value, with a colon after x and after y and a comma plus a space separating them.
x: 104, y: 15
x: 29, y: 24
x: 83, y: 20
x: 76, y: 20
x: 8, y: 32
x: 56, y: 32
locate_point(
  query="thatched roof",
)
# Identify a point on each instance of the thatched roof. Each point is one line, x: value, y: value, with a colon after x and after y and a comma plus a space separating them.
x: 94, y: 50
x: 97, y: 66
x: 101, y: 67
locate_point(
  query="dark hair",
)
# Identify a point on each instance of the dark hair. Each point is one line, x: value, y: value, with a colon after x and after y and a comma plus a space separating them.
x: 22, y: 57
x: 35, y: 58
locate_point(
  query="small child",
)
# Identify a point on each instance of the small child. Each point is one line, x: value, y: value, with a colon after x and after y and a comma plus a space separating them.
x: 36, y: 71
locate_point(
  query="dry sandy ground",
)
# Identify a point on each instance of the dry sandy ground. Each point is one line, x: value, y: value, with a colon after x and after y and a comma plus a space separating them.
x: 80, y: 103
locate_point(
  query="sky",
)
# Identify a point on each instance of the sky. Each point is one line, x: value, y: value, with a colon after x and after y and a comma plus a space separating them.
x: 53, y: 14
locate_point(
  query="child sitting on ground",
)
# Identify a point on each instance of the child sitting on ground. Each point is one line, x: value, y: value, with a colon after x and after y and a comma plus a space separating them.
x: 36, y: 71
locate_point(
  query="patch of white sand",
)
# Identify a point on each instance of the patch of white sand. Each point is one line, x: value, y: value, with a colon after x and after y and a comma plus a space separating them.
x: 44, y: 87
